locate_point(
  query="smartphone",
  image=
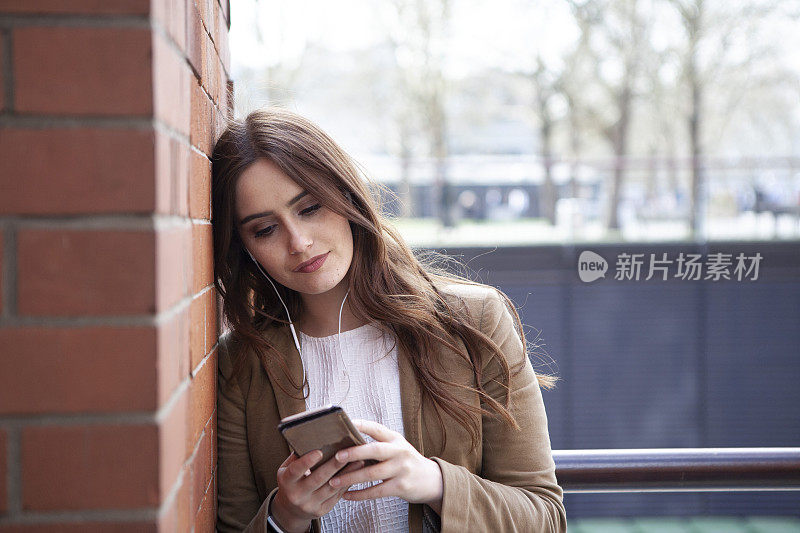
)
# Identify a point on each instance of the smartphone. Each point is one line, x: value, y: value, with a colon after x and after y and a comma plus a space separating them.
x: 326, y: 428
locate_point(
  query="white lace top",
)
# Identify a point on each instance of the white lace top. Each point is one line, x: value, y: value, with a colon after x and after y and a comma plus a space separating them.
x: 364, y: 379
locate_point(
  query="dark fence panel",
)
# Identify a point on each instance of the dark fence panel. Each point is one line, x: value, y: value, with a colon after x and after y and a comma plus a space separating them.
x: 662, y: 364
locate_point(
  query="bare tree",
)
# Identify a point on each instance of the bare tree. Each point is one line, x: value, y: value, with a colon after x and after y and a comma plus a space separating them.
x: 707, y: 56
x: 418, y: 39
x: 616, y: 31
x: 578, y: 73
x: 546, y: 85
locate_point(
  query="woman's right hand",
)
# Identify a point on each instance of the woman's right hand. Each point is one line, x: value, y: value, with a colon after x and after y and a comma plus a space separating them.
x: 304, y: 495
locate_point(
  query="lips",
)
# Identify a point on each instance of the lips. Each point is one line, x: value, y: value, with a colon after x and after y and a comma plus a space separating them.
x: 312, y: 264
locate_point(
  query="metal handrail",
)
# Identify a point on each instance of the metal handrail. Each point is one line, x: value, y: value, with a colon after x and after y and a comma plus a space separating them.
x: 678, y: 469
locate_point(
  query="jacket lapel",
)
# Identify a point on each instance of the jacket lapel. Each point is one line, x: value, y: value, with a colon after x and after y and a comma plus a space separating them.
x: 287, y: 404
x: 410, y: 399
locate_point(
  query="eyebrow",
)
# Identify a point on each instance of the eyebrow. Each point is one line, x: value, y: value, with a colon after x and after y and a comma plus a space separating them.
x: 248, y: 218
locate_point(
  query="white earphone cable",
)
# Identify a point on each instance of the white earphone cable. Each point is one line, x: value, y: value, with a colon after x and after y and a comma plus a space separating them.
x: 294, y: 333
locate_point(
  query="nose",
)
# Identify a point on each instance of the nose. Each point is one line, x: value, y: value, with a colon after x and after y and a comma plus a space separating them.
x: 299, y: 240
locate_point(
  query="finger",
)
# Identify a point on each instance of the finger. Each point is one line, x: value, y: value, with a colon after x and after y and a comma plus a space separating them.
x: 289, y: 460
x: 377, y: 472
x: 381, y: 490
x: 285, y: 464
x: 336, y: 495
x: 379, y: 451
x: 323, y: 473
x: 325, y: 492
x: 302, y: 467
x: 352, y: 467
x: 328, y: 503
x: 375, y: 430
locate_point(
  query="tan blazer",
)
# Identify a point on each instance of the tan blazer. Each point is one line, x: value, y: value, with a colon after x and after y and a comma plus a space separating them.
x: 507, y: 484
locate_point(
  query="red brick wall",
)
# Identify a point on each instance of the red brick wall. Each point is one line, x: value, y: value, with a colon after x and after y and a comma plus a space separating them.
x: 108, y: 323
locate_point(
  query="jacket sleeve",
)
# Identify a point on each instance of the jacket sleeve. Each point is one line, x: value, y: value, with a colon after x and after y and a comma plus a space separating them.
x: 517, y: 489
x: 239, y: 507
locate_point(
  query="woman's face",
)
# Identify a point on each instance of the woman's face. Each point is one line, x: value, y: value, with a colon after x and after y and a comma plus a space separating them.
x: 284, y: 227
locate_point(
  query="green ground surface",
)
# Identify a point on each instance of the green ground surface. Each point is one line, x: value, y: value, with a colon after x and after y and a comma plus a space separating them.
x: 768, y: 524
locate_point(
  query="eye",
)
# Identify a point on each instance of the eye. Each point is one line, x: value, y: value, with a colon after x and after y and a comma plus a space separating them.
x: 266, y: 232
x: 311, y: 210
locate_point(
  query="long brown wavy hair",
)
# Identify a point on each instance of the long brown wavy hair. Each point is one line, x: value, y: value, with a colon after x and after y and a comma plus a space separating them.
x: 388, y: 283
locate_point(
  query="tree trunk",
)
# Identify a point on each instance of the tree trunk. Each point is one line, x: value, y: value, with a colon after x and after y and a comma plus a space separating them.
x: 620, y: 153
x: 696, y: 200
x: 549, y: 196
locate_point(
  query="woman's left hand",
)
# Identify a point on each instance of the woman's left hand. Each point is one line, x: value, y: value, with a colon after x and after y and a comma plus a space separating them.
x: 404, y: 472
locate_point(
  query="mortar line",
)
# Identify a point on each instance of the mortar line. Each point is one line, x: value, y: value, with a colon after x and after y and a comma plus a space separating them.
x: 46, y: 121
x: 104, y: 515
x: 76, y: 21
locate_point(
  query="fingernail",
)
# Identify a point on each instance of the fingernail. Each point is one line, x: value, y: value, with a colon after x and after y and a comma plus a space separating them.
x: 341, y: 456
x: 307, y: 473
x: 318, y: 455
x: 335, y: 482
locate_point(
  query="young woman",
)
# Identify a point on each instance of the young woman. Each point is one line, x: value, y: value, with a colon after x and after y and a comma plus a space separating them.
x: 327, y: 304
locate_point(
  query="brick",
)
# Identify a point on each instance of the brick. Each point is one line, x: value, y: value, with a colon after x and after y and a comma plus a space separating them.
x: 173, y: 276
x: 205, y: 518
x: 77, y: 7
x: 98, y: 170
x: 214, y: 22
x: 221, y: 83
x: 212, y: 72
x: 83, y: 272
x: 44, y: 370
x: 3, y: 472
x: 172, y: 16
x: 211, y: 320
x: 202, y: 465
x: 194, y: 38
x: 207, y: 65
x: 202, y: 128
x: 171, y: 438
x: 205, y: 9
x: 95, y: 71
x: 203, y: 330
x: 230, y: 93
x: 202, y: 401
x: 89, y: 467
x: 221, y: 41
x: 226, y: 11
x: 171, y: 86
x: 197, y: 330
x: 202, y: 255
x: 173, y: 355
x: 176, y: 516
x: 172, y: 175
x: 82, y: 527
x: 199, y: 186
